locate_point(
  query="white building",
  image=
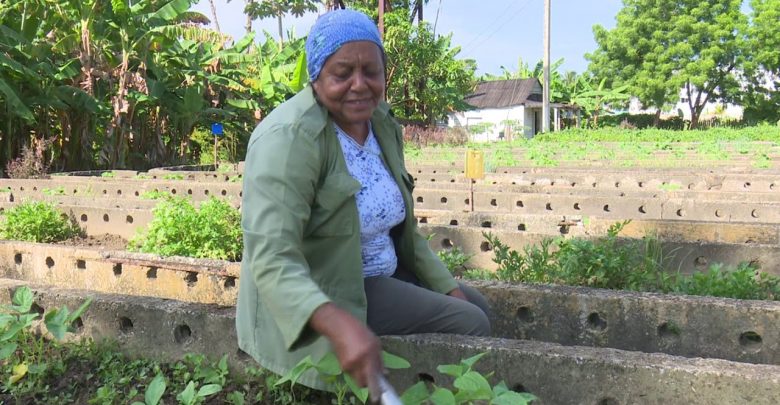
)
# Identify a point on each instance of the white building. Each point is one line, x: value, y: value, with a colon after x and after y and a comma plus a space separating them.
x: 711, y: 109
x: 504, y: 109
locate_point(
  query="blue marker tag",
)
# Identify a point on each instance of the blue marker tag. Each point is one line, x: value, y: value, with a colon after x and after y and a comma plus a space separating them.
x: 216, y: 129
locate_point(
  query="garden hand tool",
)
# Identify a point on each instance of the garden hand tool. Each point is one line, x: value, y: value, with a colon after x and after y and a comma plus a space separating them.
x: 388, y: 395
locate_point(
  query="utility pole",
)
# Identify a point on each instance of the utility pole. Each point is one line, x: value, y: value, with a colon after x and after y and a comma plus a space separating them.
x: 381, y: 18
x: 546, y: 84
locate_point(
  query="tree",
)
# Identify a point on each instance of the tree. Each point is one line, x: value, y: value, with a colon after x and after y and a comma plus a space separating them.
x: 762, y: 69
x: 661, y: 46
x: 278, y: 9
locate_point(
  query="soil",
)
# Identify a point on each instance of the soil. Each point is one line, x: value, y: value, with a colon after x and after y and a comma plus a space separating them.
x: 104, y: 242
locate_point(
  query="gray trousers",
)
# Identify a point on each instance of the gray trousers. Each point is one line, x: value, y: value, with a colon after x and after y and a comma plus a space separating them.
x: 399, y: 305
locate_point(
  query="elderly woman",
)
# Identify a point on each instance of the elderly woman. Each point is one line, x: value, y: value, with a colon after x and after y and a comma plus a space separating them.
x: 332, y: 257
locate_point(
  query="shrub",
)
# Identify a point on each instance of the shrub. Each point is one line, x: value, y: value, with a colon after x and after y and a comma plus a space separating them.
x: 31, y: 164
x: 424, y: 136
x: 37, y: 222
x: 621, y: 264
x: 179, y: 229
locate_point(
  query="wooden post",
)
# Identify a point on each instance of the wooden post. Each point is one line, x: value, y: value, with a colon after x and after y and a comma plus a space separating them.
x: 215, y: 152
x: 382, y: 19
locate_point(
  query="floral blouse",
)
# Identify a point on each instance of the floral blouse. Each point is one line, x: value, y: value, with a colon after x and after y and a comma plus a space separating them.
x: 379, y: 203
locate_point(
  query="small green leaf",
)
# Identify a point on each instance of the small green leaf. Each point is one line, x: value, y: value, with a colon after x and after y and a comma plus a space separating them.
x: 394, y: 362
x: 472, y: 386
x: 155, y: 390
x: 23, y: 299
x: 469, y: 362
x: 296, y: 372
x: 55, y: 321
x: 7, y: 349
x: 209, y: 389
x: 328, y: 365
x: 415, y: 395
x: 188, y: 395
x: 455, y: 370
x: 442, y: 396
x: 513, y: 398
x: 360, y: 393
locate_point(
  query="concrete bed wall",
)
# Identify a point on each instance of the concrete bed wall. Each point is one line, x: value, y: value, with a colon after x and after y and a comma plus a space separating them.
x: 168, y: 329
x: 695, y: 326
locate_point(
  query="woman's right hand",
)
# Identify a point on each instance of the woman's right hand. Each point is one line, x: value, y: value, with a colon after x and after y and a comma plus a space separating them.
x: 358, y: 350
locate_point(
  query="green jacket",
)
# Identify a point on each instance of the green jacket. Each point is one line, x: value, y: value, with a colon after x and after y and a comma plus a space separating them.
x: 302, y: 233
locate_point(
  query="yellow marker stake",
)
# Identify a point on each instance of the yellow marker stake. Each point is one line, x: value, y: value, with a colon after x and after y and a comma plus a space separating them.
x: 475, y: 169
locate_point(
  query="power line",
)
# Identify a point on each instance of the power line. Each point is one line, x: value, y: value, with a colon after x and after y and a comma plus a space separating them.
x: 497, y: 27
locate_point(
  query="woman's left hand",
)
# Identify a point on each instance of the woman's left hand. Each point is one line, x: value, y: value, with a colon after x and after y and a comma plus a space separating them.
x: 458, y: 293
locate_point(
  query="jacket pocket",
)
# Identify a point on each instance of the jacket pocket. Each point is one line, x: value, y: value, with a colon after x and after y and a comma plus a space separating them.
x: 331, y: 214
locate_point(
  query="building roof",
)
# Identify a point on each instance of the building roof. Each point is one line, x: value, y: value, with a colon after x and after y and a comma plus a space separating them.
x: 504, y: 93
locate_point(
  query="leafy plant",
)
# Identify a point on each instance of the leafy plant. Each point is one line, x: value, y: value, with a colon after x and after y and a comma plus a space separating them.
x: 469, y: 386
x: 154, y: 195
x: 60, y: 190
x: 454, y: 258
x: 330, y: 372
x: 173, y: 176
x: 179, y: 229
x: 37, y: 222
x: 109, y: 174
x: 628, y: 265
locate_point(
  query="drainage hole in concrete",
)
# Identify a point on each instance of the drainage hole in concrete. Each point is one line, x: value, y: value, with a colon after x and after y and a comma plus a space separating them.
x: 548, y: 207
x: 230, y: 282
x: 519, y: 204
x: 173, y: 191
x: 595, y: 321
x: 668, y: 330
x: 467, y: 201
x: 77, y: 324
x: 493, y: 202
x: 691, y: 186
x: 105, y: 218
x: 425, y: 377
x: 81, y: 264
x: 608, y: 401
x: 454, y: 222
x: 718, y: 213
x: 700, y: 261
x: 191, y: 278
x: 117, y: 269
x: 152, y: 272
x: 125, y: 324
x: 594, y: 184
x: 754, y: 213
x: 573, y: 183
x: 772, y: 186
x: 750, y: 340
x: 485, y: 247
x: 18, y: 258
x: 519, y: 388
x: 182, y: 334
x: 747, y: 184
x: 525, y: 314
x: 577, y: 206
x: 224, y: 192
x: 137, y: 194
x: 423, y: 220
x: 443, y: 200
x: 446, y: 243
x: 563, y: 229
x: 606, y: 207
x: 487, y: 224
x: 521, y: 227
x: 419, y: 199
x: 119, y: 192
x: 641, y: 184
x: 105, y: 191
x: 617, y: 184
x: 749, y: 241
x: 37, y: 308
x: 83, y: 217
x: 452, y: 180
x: 129, y: 219
x: 49, y: 262
x: 189, y: 191
x: 680, y: 212
x: 642, y: 209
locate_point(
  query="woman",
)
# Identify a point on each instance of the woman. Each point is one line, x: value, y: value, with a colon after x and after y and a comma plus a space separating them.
x: 332, y: 257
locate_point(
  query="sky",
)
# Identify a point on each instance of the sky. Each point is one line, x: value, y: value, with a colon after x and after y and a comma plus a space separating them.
x: 495, y: 33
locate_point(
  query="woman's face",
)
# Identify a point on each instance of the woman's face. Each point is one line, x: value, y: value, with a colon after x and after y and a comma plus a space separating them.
x: 352, y: 82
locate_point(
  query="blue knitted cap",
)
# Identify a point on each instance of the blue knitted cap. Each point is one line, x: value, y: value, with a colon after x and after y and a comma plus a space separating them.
x: 334, y: 29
